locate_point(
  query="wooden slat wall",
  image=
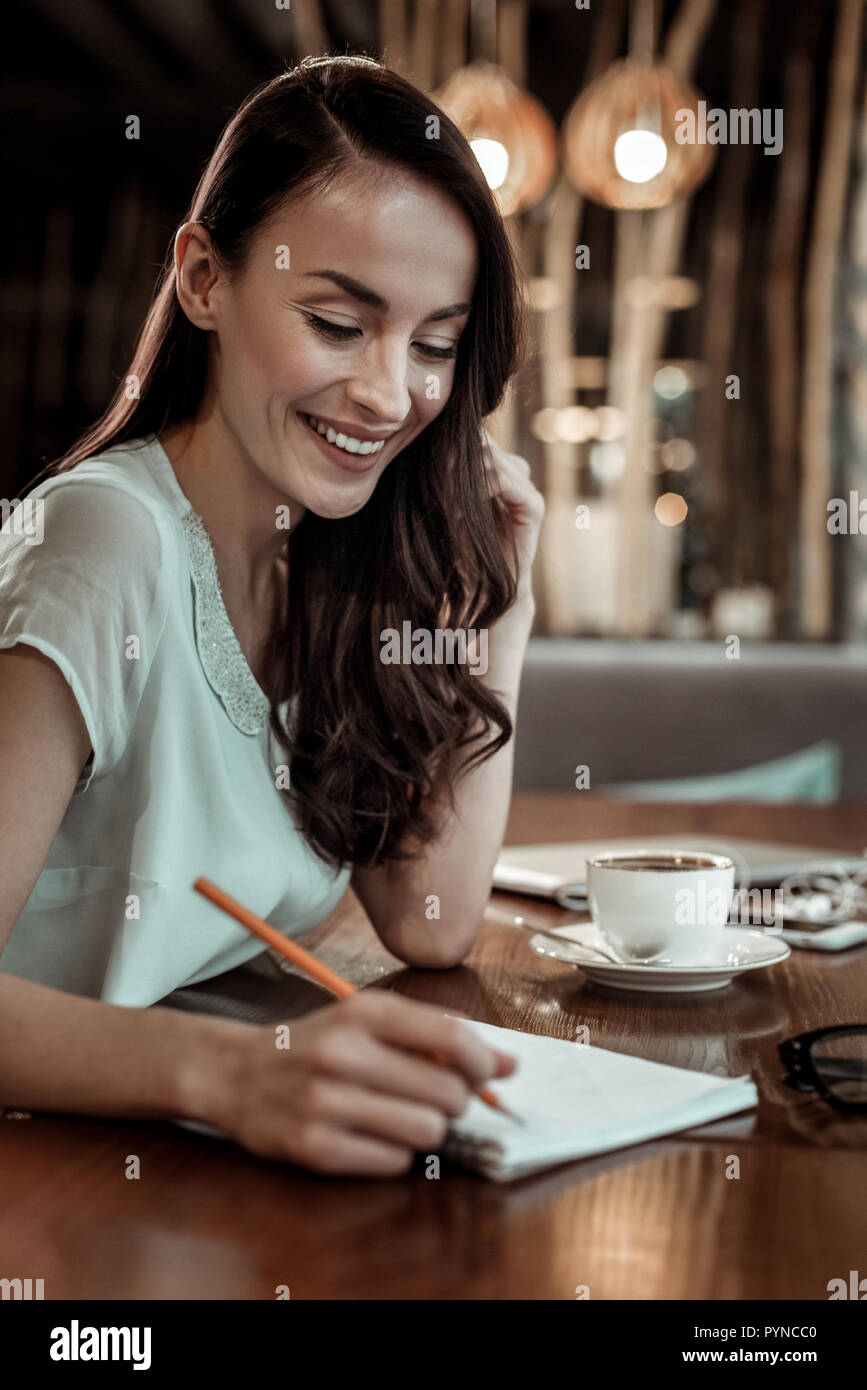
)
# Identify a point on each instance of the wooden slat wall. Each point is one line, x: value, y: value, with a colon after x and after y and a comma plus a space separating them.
x: 781, y: 275
x: 720, y: 462
x: 394, y: 38
x: 816, y: 420
x: 660, y: 257
x: 855, y: 379
x: 557, y: 346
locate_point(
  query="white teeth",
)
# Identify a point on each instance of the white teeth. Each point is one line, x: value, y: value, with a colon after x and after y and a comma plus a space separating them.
x: 346, y: 441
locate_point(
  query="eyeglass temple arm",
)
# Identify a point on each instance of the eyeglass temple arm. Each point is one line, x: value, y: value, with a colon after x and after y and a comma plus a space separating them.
x: 843, y: 1067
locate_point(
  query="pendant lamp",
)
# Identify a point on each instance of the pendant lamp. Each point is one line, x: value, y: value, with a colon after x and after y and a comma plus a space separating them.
x: 511, y: 133
x: 620, y: 143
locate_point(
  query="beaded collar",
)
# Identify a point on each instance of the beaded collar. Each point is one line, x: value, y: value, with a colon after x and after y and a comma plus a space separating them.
x: 220, y: 652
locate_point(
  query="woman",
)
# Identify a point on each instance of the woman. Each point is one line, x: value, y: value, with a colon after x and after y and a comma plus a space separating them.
x: 192, y: 673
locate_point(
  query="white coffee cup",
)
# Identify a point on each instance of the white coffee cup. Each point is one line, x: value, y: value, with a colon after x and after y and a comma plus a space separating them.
x: 655, y: 907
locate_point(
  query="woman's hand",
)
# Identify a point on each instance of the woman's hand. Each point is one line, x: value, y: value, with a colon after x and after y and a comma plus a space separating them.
x: 353, y: 1093
x: 509, y: 478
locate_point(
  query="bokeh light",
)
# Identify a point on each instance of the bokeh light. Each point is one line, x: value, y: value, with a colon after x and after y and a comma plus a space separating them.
x: 670, y: 509
x: 543, y: 425
x: 678, y: 454
x: 610, y: 423
x: 670, y: 382
x: 577, y: 424
x: 494, y: 160
x: 607, y: 461
x: 639, y: 155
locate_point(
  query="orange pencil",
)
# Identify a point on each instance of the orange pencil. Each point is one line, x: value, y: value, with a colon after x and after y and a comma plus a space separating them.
x: 309, y: 964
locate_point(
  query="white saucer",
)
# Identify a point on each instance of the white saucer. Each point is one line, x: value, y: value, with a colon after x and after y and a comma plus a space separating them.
x: 735, y: 950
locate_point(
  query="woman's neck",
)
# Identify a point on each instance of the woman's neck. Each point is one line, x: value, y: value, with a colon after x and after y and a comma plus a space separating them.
x: 237, y: 505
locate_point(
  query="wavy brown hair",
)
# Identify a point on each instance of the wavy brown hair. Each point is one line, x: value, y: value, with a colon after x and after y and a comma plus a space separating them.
x: 372, y: 749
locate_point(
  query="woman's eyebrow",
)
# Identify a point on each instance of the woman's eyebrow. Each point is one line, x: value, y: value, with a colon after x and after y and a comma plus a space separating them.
x: 368, y: 296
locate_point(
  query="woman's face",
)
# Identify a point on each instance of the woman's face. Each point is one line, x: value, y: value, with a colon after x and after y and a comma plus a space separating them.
x: 349, y: 311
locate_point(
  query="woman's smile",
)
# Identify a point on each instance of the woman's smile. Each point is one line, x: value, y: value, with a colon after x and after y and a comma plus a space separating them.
x: 351, y: 452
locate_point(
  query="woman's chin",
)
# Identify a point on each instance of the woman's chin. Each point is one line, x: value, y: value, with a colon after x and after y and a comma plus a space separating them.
x: 335, y: 508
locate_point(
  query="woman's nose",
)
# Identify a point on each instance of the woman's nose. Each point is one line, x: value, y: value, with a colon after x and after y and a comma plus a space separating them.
x: 380, y: 385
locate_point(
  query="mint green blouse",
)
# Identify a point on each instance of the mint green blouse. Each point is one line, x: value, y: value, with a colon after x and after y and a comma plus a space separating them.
x: 111, y: 574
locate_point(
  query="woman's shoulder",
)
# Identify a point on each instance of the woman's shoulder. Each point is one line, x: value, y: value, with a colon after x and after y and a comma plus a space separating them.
x: 88, y: 567
x: 100, y: 538
x: 125, y: 479
x: 110, y: 511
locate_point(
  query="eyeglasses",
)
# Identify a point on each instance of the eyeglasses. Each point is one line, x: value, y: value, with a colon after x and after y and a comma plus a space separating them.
x: 832, y: 1061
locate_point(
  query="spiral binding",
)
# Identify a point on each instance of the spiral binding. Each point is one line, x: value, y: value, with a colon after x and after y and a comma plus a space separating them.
x: 471, y: 1151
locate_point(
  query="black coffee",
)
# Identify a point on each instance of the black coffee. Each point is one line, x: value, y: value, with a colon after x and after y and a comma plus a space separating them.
x: 672, y: 863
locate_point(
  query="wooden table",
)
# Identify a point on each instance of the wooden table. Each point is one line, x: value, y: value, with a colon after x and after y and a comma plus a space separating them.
x: 657, y: 1221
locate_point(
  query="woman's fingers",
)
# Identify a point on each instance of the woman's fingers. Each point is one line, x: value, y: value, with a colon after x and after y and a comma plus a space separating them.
x: 423, y: 1028
x: 341, y: 1153
x: 494, y: 454
x: 385, y: 1067
x: 391, y: 1069
x: 340, y: 1104
x: 367, y: 1084
x: 506, y: 1063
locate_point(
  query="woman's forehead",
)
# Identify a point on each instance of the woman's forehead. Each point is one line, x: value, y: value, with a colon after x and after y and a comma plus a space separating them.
x: 384, y: 231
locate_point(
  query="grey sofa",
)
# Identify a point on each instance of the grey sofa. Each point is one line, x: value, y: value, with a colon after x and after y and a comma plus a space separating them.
x: 638, y: 710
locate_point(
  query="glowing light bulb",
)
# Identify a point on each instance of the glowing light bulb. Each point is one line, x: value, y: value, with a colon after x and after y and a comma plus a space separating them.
x: 639, y: 155
x: 494, y: 160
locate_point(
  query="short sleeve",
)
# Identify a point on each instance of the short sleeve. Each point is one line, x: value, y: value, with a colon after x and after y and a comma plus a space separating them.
x: 85, y: 574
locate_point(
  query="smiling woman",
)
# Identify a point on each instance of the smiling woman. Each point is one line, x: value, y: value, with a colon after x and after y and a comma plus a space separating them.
x: 338, y: 264
x: 339, y: 313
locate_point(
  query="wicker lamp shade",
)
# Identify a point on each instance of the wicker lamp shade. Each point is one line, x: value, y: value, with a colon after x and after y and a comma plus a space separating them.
x: 487, y: 105
x: 638, y: 97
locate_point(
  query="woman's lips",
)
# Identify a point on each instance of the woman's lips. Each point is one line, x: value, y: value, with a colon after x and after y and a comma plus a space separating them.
x: 352, y: 463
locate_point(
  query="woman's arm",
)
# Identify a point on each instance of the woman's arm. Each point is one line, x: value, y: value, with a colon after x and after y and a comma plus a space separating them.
x: 458, y: 866
x: 352, y: 1095
x: 60, y: 1051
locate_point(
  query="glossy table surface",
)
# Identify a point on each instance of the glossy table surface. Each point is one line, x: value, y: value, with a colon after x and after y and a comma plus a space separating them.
x: 663, y: 1220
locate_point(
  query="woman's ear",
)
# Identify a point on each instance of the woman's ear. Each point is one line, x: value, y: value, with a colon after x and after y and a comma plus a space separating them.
x: 196, y: 274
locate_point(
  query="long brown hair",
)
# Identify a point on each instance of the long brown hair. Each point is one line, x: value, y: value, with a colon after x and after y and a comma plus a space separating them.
x: 367, y: 744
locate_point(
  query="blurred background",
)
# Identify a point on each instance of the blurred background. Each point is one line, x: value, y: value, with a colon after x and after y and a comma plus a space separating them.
x: 694, y: 406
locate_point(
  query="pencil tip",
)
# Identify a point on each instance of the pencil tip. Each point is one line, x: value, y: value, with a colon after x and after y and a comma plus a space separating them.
x: 512, y: 1116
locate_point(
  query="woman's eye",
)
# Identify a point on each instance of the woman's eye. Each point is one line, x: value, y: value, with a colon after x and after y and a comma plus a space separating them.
x: 329, y: 329
x: 341, y: 333
x: 439, y: 354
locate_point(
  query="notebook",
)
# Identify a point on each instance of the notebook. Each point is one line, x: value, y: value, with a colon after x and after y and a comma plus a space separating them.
x: 576, y: 1100
x: 579, y: 1100
x: 558, y: 871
